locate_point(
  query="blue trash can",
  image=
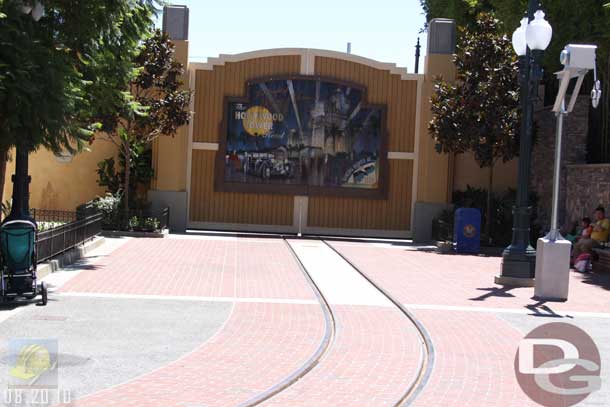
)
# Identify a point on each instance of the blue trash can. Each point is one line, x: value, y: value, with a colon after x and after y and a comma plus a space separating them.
x: 467, y: 230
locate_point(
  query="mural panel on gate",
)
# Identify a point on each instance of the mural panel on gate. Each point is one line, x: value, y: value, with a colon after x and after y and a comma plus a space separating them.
x: 304, y: 135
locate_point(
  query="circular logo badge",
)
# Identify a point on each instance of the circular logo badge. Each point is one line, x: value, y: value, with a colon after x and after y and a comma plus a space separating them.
x: 258, y: 121
x: 470, y: 231
x: 558, y: 364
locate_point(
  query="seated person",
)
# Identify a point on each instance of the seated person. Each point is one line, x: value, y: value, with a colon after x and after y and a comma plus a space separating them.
x: 599, y: 234
x: 569, y: 232
x: 581, y: 263
x: 587, y: 228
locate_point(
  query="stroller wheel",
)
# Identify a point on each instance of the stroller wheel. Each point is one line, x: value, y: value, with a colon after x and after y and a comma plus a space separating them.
x: 44, y: 293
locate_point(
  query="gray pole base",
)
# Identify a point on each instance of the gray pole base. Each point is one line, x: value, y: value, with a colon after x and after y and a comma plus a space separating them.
x: 514, y: 281
x: 518, y: 268
x: 553, y: 268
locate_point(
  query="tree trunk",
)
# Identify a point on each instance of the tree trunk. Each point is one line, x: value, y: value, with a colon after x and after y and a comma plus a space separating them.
x: 127, y: 154
x: 488, y: 221
x: 3, y: 162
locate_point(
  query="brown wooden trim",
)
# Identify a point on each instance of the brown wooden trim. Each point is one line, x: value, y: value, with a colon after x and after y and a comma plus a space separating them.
x: 381, y: 192
x: 293, y: 77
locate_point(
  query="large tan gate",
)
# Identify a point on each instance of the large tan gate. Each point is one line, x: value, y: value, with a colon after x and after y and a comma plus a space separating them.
x: 211, y: 205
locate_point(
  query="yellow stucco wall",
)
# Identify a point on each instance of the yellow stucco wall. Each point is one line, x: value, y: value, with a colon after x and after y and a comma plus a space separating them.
x: 440, y: 174
x: 468, y: 172
x: 62, y: 186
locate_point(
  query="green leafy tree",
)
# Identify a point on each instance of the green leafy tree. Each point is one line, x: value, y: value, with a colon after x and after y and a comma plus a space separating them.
x: 583, y: 20
x: 157, y: 105
x: 574, y: 21
x: 464, y: 12
x: 479, y: 112
x: 112, y: 177
x: 59, y: 74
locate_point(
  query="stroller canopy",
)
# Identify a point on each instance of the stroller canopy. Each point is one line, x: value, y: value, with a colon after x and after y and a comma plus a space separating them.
x: 17, y: 241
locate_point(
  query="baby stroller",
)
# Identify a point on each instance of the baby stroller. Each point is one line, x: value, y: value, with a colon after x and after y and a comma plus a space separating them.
x: 18, y: 261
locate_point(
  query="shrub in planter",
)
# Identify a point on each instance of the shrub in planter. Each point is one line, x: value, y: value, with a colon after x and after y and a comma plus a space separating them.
x: 442, y: 226
x: 151, y: 224
x: 144, y: 224
x: 134, y: 223
x: 109, y: 205
x: 44, y: 225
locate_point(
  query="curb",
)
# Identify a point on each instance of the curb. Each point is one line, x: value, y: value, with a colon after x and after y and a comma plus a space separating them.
x: 67, y: 258
x: 121, y: 233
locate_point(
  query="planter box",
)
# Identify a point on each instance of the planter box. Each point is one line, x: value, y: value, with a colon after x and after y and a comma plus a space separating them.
x: 445, y: 248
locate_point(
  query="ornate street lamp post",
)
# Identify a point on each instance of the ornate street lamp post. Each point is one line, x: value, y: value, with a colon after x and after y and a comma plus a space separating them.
x: 529, y: 41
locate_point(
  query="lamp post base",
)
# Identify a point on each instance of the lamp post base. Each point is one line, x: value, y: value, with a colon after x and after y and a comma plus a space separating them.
x: 515, y: 282
x: 518, y: 268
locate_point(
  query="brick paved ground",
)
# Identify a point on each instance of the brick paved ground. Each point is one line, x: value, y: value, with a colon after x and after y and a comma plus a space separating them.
x: 373, y: 358
x: 246, y: 268
x: 276, y: 325
x: 417, y: 277
x: 474, y: 361
x: 372, y: 362
x: 474, y: 350
x: 260, y: 345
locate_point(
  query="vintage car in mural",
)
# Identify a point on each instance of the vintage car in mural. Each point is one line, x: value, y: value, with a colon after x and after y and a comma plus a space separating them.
x: 269, y: 165
x: 363, y: 173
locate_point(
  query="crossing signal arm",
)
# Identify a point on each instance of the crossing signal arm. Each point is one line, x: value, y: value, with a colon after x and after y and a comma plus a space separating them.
x: 577, y: 60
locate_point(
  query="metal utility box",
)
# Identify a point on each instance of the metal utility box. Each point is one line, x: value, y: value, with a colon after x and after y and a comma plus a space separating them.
x: 467, y: 230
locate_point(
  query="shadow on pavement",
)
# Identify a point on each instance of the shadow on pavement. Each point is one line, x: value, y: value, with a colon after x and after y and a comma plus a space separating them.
x: 494, y: 292
x: 600, y: 280
x: 540, y: 309
x: 84, y: 266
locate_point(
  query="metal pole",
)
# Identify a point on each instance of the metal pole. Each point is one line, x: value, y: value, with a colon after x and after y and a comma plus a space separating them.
x: 300, y: 217
x: 519, y: 259
x: 417, y: 54
x: 554, y: 233
x: 21, y: 185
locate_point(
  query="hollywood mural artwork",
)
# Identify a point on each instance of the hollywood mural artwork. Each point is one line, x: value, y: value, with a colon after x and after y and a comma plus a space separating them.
x: 303, y: 135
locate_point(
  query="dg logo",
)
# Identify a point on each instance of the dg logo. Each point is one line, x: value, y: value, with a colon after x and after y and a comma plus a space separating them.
x: 558, y: 364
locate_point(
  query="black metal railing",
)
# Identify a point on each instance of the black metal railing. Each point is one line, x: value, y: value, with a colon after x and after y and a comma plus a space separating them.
x: 46, y: 215
x: 55, y: 241
x: 164, y: 219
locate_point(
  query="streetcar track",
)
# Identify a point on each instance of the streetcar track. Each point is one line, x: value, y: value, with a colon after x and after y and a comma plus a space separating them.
x: 312, y: 362
x: 428, y: 354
